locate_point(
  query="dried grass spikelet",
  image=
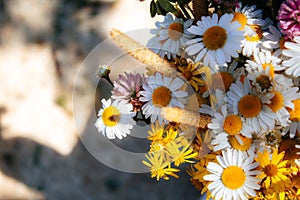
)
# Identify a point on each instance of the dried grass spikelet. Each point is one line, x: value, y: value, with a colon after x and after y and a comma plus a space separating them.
x: 200, y: 8
x: 191, y: 118
x: 142, y: 54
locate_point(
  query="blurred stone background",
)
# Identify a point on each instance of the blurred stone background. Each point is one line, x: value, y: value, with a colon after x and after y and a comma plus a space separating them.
x: 42, y: 46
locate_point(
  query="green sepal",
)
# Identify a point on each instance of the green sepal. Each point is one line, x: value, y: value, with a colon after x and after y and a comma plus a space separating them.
x: 153, y: 8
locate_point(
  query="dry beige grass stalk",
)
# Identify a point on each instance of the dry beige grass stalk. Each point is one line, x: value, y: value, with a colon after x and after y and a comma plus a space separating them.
x: 142, y: 54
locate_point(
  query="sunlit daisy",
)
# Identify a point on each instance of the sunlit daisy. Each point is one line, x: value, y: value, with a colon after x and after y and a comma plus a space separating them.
x: 226, y: 124
x: 273, y: 41
x: 251, y: 106
x: 283, y: 95
x: 247, y: 16
x: 159, y: 167
x: 252, y: 44
x: 233, y: 177
x: 292, y: 63
x: 261, y: 80
x: 288, y: 16
x: 170, y: 36
x: 294, y: 125
x: 219, y: 40
x: 128, y: 88
x: 115, y: 119
x: 237, y: 142
x: 274, y: 170
x: 222, y: 79
x: 161, y: 92
x: 264, y: 61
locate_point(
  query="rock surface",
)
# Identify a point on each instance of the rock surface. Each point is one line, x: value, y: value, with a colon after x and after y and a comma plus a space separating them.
x: 42, y: 47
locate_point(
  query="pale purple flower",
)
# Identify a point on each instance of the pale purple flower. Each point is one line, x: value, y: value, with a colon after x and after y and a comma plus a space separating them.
x: 289, y: 18
x: 128, y: 87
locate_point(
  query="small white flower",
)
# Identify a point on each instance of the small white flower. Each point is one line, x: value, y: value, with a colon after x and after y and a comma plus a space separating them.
x: 283, y: 95
x: 170, y: 36
x: 161, y: 92
x: 233, y: 177
x: 115, y: 119
x: 252, y: 44
x: 218, y: 41
x: 292, y: 64
x: 251, y: 106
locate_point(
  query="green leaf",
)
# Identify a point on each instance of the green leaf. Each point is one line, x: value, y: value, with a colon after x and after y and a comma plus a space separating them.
x: 160, y: 10
x: 153, y: 9
x: 166, y: 6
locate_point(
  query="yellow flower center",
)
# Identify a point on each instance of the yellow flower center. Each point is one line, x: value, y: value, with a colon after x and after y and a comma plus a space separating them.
x: 295, y: 114
x: 232, y: 124
x: 276, y: 102
x: 233, y: 177
x: 161, y: 96
x: 222, y: 80
x: 214, y: 37
x: 270, y: 138
x: 241, y: 18
x: 264, y: 82
x: 257, y: 37
x: 249, y: 106
x: 111, y: 116
x: 271, y: 68
x: 246, y: 143
x: 270, y: 170
x: 175, y: 31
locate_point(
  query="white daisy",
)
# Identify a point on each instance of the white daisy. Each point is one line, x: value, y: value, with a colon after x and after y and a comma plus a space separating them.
x: 269, y: 139
x: 236, y: 142
x: 247, y: 16
x: 115, y: 119
x: 161, y: 92
x: 233, y: 177
x: 252, y: 43
x: 218, y: 41
x: 273, y: 40
x: 170, y: 36
x: 283, y: 95
x: 292, y: 64
x: 294, y: 122
x: 228, y: 123
x: 261, y: 70
x: 228, y: 128
x: 261, y: 80
x: 251, y: 106
x: 222, y: 78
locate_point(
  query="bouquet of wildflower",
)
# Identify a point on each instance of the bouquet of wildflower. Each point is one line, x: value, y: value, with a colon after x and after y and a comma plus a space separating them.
x: 221, y: 93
